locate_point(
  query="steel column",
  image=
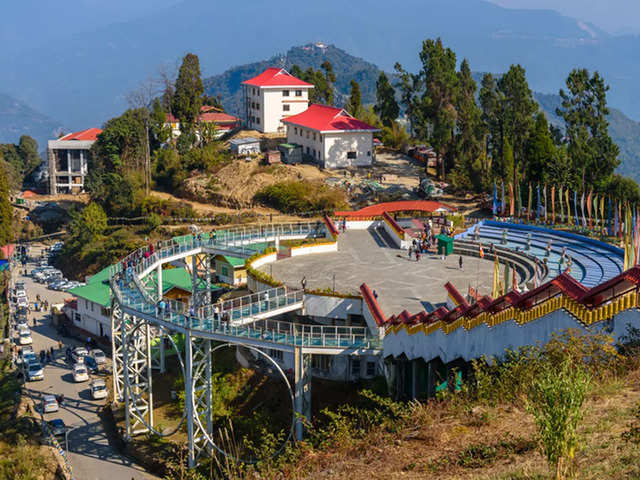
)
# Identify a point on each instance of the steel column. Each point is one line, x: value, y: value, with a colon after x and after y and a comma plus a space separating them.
x: 302, y: 378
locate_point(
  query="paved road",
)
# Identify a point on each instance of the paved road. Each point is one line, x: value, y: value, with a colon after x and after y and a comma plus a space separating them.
x: 91, y: 456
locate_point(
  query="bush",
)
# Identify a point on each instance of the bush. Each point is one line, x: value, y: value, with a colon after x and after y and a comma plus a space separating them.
x: 302, y: 196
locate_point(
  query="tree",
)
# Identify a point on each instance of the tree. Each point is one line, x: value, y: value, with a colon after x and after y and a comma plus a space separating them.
x: 354, y: 104
x: 503, y: 166
x: 468, y: 137
x: 141, y: 99
x: 437, y: 114
x: 28, y: 150
x: 386, y: 106
x: 330, y: 79
x: 517, y: 107
x: 322, y: 81
x: 410, y: 87
x: 623, y: 189
x: 489, y: 97
x: 591, y: 150
x: 540, y: 152
x: 187, y: 98
x: 88, y: 224
x: 6, y: 211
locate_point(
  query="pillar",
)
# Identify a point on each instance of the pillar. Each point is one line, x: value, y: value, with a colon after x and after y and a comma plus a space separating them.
x: 188, y: 400
x: 159, y: 281
x: 147, y: 332
x: 302, y: 378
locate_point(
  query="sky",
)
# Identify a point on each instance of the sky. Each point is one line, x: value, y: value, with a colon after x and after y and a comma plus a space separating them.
x: 613, y: 16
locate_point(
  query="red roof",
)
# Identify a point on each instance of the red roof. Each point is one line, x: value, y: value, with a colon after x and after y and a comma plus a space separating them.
x: 88, y: 134
x: 324, y: 118
x: 276, y: 77
x: 401, y: 206
x: 220, y: 119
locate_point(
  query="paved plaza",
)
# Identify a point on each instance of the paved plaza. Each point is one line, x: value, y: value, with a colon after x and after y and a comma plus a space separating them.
x: 365, y: 256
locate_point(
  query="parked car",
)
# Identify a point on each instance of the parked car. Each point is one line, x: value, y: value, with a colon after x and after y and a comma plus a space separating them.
x: 98, y: 389
x: 78, y: 354
x: 90, y: 363
x: 26, y: 350
x: 49, y: 404
x: 80, y: 373
x: 35, y: 372
x: 58, y: 427
x: 99, y: 356
x: 29, y: 358
x: 23, y: 302
x: 21, y: 320
x: 24, y: 338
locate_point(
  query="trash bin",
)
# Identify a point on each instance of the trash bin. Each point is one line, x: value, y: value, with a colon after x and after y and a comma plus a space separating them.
x: 445, y: 244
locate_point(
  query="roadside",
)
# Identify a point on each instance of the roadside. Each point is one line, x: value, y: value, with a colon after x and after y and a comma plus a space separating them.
x: 91, y: 454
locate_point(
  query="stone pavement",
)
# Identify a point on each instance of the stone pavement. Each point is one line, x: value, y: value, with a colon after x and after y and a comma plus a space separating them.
x: 364, y: 256
x: 92, y: 457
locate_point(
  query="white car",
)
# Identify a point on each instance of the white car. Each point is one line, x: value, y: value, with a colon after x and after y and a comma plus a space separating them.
x: 98, y: 389
x: 23, y: 302
x: 25, y: 338
x: 78, y: 354
x: 80, y: 373
x: 49, y: 404
x: 35, y: 372
x: 99, y: 356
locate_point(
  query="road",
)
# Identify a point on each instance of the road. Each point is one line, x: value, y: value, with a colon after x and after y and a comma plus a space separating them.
x: 91, y: 455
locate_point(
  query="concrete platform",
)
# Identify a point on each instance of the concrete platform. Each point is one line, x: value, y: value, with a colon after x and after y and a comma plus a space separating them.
x: 365, y: 256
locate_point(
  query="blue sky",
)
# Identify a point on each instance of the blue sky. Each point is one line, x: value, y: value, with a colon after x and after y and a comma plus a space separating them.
x: 614, y: 16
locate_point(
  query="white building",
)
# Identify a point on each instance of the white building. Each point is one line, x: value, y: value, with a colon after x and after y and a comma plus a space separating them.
x: 68, y: 161
x: 331, y: 137
x: 271, y: 97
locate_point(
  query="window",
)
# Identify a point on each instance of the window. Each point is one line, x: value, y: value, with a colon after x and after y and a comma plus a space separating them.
x: 285, y: 108
x: 368, y: 153
x: 295, y: 130
x: 371, y: 369
x: 352, y: 155
x: 285, y: 93
x: 92, y: 306
x: 314, y: 153
x: 314, y: 136
x: 276, y: 354
x: 321, y: 362
x: 254, y: 91
x: 308, y: 133
x: 225, y: 271
x: 355, y: 367
x: 86, y: 304
x: 298, y: 93
x: 308, y: 149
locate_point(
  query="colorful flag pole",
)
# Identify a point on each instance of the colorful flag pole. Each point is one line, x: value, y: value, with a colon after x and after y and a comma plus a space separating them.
x: 512, y: 206
x: 575, y: 206
x: 529, y: 204
x: 584, y: 220
x: 553, y: 204
x: 546, y: 205
x: 609, y: 218
x: 589, y: 208
x: 503, y: 206
x: 538, y: 196
x: 566, y: 194
x: 507, y: 277
x: 495, y: 199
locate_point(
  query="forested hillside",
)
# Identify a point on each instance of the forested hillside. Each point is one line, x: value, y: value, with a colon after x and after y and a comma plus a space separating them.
x: 624, y: 131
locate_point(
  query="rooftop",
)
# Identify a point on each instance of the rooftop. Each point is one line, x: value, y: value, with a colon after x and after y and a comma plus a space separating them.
x: 276, y: 77
x: 400, y: 206
x: 324, y: 118
x: 244, y: 141
x: 207, y: 116
x: 86, y: 135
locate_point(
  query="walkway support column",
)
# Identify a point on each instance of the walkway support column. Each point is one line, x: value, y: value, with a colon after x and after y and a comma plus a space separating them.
x: 188, y: 400
x: 160, y: 290
x: 302, y: 378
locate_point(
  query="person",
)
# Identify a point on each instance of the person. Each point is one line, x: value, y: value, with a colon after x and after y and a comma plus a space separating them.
x: 460, y: 262
x: 59, y: 344
x: 418, y: 255
x: 216, y: 312
x: 375, y: 294
x: 161, y: 307
x: 303, y: 282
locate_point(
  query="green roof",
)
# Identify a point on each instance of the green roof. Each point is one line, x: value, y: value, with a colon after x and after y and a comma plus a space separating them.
x: 175, y: 277
x: 235, y: 262
x: 101, y: 276
x: 96, y: 292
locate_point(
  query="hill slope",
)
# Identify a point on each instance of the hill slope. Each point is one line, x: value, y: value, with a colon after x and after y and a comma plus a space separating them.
x: 96, y: 68
x: 18, y: 118
x: 624, y: 131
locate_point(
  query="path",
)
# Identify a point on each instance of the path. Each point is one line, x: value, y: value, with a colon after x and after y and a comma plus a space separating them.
x: 91, y: 456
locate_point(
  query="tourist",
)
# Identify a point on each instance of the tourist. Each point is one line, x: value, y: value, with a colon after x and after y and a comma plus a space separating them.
x: 375, y: 294
x: 216, y: 312
x: 161, y: 307
x: 418, y: 255
x: 303, y: 282
x: 460, y: 262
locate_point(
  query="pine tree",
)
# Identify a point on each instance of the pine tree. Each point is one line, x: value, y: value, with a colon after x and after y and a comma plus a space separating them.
x: 490, y: 106
x: 437, y: 114
x: 410, y: 87
x: 540, y: 152
x: 468, y: 127
x: 354, y: 104
x: 592, y: 153
x: 187, y: 98
x: 330, y: 79
x: 386, y: 106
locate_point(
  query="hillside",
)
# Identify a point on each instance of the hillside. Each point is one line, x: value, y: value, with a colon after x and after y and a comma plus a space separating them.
x: 17, y: 119
x: 346, y: 67
x: 61, y: 78
x: 624, y: 131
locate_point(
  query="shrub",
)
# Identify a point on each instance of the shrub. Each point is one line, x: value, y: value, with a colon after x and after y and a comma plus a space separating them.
x: 301, y: 196
x: 555, y: 400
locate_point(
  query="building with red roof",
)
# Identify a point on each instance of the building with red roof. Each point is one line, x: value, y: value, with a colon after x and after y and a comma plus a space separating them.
x: 68, y: 161
x: 332, y: 137
x: 224, y: 122
x: 271, y: 97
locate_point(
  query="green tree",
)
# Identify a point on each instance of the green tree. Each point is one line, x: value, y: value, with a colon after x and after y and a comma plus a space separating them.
x: 409, y: 86
x: 322, y: 81
x: 187, y: 98
x: 503, y: 166
x: 354, y: 104
x: 517, y: 109
x: 386, y: 106
x: 468, y: 138
x: 28, y: 150
x: 540, y: 152
x: 591, y: 150
x: 89, y: 223
x: 330, y: 79
x: 6, y: 210
x: 623, y: 189
x: 490, y: 106
x: 437, y: 114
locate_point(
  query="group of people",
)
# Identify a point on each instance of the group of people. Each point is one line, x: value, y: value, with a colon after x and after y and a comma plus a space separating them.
x: 422, y: 245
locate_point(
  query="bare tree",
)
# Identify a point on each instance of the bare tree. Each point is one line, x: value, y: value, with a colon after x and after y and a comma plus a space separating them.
x: 141, y: 98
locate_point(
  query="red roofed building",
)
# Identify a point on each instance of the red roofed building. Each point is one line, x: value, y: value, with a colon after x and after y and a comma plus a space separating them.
x: 332, y: 137
x: 271, y: 97
x: 68, y: 159
x: 223, y: 122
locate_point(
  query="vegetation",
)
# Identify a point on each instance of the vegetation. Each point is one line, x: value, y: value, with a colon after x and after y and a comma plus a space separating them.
x: 354, y: 105
x: 322, y: 80
x: 300, y: 196
x: 20, y: 160
x: 6, y: 210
